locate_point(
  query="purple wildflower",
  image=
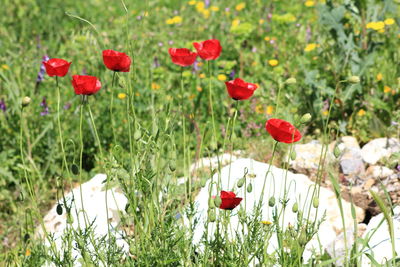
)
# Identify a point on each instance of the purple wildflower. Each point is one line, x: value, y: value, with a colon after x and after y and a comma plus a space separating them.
x: 42, y: 70
x: 227, y: 9
x: 196, y: 67
x: 43, y: 104
x: 308, y: 34
x: 254, y: 49
x: 170, y: 42
x: 160, y: 44
x: 3, y: 106
x: 207, y: 2
x: 67, y: 105
x: 232, y: 74
x: 398, y: 167
x: 139, y: 17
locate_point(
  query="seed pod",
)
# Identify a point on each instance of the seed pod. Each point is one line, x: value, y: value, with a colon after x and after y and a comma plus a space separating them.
x: 299, y: 215
x: 353, y: 79
x: 293, y: 155
x: 74, y: 169
x: 59, y: 209
x: 217, y: 201
x: 240, y: 182
x: 172, y: 165
x: 315, y: 202
x: 211, y: 216
x: 337, y: 152
x: 295, y: 207
x: 306, y: 118
x: 70, y: 219
x: 137, y: 135
x: 271, y: 201
x: 249, y: 188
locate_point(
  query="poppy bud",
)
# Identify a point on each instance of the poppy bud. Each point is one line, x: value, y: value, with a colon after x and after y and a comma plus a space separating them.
x: 299, y: 216
x: 271, y: 201
x: 26, y: 101
x: 249, y: 188
x: 211, y: 203
x: 306, y: 118
x: 353, y: 79
x: 337, y: 152
x: 291, y: 80
x: 217, y: 201
x: 74, y: 169
x: 137, y: 134
x: 240, y: 182
x: 295, y: 207
x: 70, y: 219
x: 211, y: 216
x: 315, y: 202
x: 59, y: 209
x: 293, y: 155
x: 172, y: 166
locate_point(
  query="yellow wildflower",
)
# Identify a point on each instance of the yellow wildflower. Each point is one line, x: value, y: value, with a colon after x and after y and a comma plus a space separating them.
x: 379, y: 77
x: 378, y: 25
x: 387, y: 89
x: 310, y: 47
x: 240, y: 6
x: 202, y: 75
x: 155, y: 86
x: 273, y: 62
x: 309, y: 3
x: 206, y: 13
x: 5, y: 66
x: 270, y: 110
x: 381, y: 30
x: 121, y: 96
x: 137, y: 94
x: 146, y: 14
x: 235, y: 22
x: 27, y: 252
x: 192, y: 3
x: 199, y: 64
x: 259, y: 109
x: 199, y: 89
x: 325, y: 113
x: 315, y: 58
x: 261, y: 21
x: 254, y: 63
x: 361, y: 112
x: 214, y: 8
x: 221, y: 77
x: 389, y: 21
x: 177, y: 19
x: 192, y: 96
x: 200, y: 6
x: 168, y: 97
x: 267, y: 38
x: 266, y: 222
x: 169, y: 21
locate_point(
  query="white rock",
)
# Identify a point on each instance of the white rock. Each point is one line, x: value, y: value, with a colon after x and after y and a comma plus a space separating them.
x: 212, y: 163
x: 92, y: 210
x: 379, y: 239
x: 297, y: 186
x: 308, y: 156
x: 380, y: 172
x: 379, y: 148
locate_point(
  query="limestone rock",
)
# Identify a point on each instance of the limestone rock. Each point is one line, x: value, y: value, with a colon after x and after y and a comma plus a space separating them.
x: 379, y: 148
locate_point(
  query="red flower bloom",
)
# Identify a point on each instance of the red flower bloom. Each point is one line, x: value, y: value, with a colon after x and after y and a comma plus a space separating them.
x: 209, y: 49
x: 282, y: 131
x: 56, y: 67
x: 229, y: 200
x: 239, y: 89
x: 85, y: 84
x: 182, y: 56
x: 116, y: 61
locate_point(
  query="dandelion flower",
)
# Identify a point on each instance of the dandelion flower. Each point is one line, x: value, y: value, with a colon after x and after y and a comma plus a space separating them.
x: 310, y: 47
x: 202, y: 75
x: 266, y: 222
x: 361, y: 112
x: 269, y: 110
x: 387, y: 89
x: 309, y: 3
x: 214, y: 8
x: 273, y: 62
x: 389, y: 21
x: 177, y: 19
x: 235, y: 22
x: 222, y: 77
x: 121, y: 96
x: 200, y: 6
x: 155, y: 86
x: 240, y: 6
x: 192, y: 3
x: 379, y: 77
x: 5, y: 67
x: 169, y: 21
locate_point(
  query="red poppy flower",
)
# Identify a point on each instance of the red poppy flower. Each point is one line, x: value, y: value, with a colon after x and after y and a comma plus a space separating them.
x: 85, y: 84
x: 56, y: 67
x: 116, y: 61
x: 209, y: 49
x: 239, y: 89
x: 182, y: 56
x: 282, y: 131
x: 229, y: 200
